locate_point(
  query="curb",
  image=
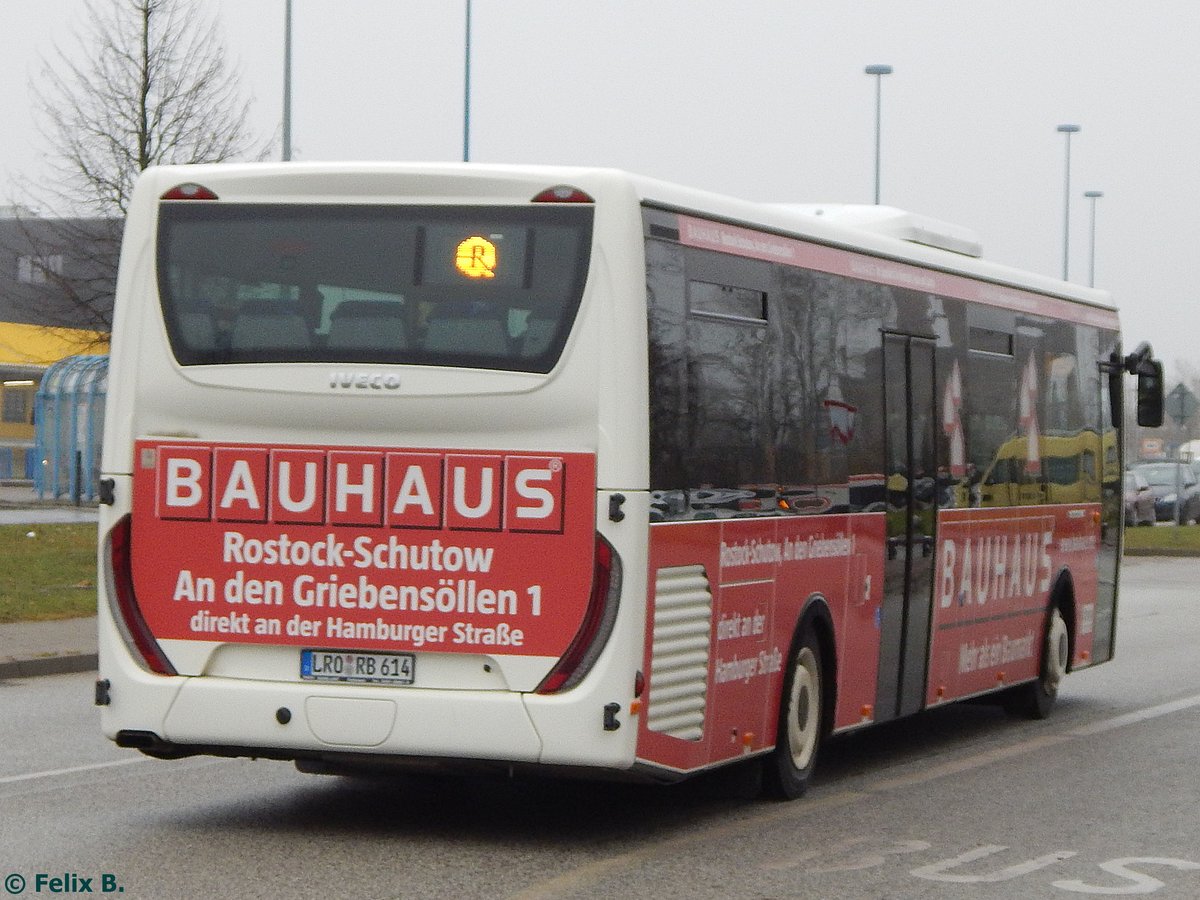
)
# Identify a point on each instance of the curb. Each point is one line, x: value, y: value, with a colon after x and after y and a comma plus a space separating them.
x: 1162, y: 551
x: 13, y: 504
x: 48, y: 665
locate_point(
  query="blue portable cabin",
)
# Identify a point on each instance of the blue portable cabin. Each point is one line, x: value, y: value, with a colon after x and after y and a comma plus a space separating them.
x: 69, y: 427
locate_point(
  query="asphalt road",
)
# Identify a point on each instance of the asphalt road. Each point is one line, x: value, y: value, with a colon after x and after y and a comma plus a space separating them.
x: 963, y: 802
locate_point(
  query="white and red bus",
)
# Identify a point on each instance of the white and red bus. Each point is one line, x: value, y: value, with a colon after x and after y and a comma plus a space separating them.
x: 570, y: 469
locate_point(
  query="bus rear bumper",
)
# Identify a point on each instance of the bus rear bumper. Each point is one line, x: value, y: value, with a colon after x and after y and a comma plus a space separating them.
x: 286, y: 720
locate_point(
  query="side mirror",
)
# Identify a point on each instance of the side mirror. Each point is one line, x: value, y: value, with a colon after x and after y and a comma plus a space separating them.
x: 1150, y: 394
x: 1149, y: 372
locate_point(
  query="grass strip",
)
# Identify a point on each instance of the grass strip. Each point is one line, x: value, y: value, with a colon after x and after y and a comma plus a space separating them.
x: 47, y: 572
x: 1164, y: 538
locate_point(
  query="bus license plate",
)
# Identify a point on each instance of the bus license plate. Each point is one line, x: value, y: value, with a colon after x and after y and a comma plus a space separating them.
x: 371, y: 668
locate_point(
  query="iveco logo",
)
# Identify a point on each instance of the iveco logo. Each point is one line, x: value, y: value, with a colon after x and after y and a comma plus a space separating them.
x: 364, y: 380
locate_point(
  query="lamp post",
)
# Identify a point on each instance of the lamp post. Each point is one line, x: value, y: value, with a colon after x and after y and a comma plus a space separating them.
x: 287, y: 80
x: 467, y: 90
x: 1068, y: 130
x: 878, y: 71
x: 1093, y: 196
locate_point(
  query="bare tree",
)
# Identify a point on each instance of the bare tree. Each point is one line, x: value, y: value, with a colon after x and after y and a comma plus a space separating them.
x: 147, y: 83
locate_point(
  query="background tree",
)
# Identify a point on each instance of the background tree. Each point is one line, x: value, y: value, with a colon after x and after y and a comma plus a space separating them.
x: 147, y: 83
x: 1173, y: 434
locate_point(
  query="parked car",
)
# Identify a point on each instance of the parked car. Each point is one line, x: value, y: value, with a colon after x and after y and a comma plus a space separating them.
x: 1139, y: 500
x: 1164, y: 478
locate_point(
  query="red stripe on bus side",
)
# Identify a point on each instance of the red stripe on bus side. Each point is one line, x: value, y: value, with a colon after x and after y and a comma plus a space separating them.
x: 746, y: 242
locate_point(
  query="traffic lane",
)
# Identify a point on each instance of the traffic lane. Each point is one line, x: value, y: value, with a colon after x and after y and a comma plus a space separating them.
x: 1109, y: 777
x: 1158, y: 630
x: 1162, y: 573
x: 1038, y: 817
x: 195, y: 827
x: 964, y: 771
x: 51, y: 723
x: 258, y: 829
x: 203, y: 826
x: 968, y: 783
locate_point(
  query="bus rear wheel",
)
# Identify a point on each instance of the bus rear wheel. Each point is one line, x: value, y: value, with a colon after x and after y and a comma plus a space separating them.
x: 787, y: 770
x: 1036, y: 699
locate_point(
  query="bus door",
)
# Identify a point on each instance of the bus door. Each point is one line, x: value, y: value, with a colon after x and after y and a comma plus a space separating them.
x: 910, y: 448
x: 1112, y: 513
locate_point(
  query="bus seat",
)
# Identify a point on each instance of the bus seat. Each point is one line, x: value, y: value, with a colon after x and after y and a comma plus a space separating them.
x: 477, y: 335
x: 271, y: 324
x: 198, y: 330
x: 537, y: 337
x: 370, y: 324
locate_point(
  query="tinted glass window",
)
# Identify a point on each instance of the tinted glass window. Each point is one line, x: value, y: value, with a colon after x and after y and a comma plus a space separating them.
x: 988, y: 340
x: 16, y: 405
x: 727, y: 302
x: 480, y: 287
x: 1062, y: 469
x: 1165, y: 474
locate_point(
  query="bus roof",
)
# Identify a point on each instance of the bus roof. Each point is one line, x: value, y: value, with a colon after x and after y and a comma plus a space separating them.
x: 884, y: 232
x: 880, y: 231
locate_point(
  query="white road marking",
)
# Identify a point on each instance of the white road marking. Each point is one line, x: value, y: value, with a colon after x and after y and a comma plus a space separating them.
x: 1138, y: 715
x: 196, y: 762
x: 578, y: 879
x: 70, y: 770
x: 938, y: 871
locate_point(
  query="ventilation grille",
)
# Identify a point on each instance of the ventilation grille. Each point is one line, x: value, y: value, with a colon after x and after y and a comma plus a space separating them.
x: 679, y: 660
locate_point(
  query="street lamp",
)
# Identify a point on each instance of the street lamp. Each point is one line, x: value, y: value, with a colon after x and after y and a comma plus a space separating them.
x: 467, y: 90
x: 1068, y: 130
x: 1093, y: 196
x: 878, y: 71
x: 287, y: 80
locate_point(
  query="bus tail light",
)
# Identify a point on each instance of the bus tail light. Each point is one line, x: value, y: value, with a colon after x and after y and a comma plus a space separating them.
x: 189, y: 190
x: 563, y: 193
x: 597, y: 625
x: 120, y: 584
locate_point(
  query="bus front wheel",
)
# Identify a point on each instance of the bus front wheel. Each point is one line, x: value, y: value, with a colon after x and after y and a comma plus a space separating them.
x: 1036, y: 699
x: 788, y: 769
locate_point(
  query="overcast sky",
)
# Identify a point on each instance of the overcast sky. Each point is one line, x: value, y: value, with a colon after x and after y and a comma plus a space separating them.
x: 763, y: 99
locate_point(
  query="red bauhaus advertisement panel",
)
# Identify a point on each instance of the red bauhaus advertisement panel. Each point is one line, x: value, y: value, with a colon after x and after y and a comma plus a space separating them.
x: 364, y: 548
x: 994, y: 572
x: 761, y: 574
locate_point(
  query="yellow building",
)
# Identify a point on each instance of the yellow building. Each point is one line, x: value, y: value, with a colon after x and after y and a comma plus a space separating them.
x: 54, y: 292
x: 26, y: 351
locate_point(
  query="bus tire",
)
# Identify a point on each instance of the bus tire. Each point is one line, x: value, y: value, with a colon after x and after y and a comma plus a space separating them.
x: 787, y: 770
x: 1035, y: 699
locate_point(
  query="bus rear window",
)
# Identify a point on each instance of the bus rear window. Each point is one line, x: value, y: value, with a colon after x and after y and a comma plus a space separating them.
x: 477, y: 287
